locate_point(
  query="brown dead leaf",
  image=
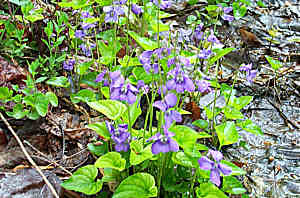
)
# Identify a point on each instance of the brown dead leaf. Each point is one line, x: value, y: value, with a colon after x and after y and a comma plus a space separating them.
x: 194, y: 109
x: 249, y: 38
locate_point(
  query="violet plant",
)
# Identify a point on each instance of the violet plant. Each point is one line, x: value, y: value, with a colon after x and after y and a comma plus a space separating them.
x: 162, y: 156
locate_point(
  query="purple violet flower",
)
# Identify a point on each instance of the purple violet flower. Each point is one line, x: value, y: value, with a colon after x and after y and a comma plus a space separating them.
x: 215, y: 166
x: 151, y: 68
x: 121, y: 2
x: 204, y: 54
x: 145, y: 57
x: 100, y: 76
x: 69, y: 65
x: 180, y: 81
x: 162, y: 52
x: 226, y: 16
x: 85, y: 14
x: 79, y: 34
x: 169, y: 101
x: 203, y: 86
x: 85, y: 50
x: 171, y: 61
x: 251, y: 75
x: 171, y: 116
x: 120, y: 136
x: 87, y: 26
x: 245, y: 67
x: 198, y: 34
x: 136, y: 9
x: 121, y: 90
x: 212, y: 38
x: 163, y: 143
x: 141, y: 85
x: 112, y: 13
x: 163, y: 4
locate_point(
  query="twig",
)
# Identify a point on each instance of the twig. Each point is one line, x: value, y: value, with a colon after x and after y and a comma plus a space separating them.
x: 46, y: 158
x: 29, y: 158
x: 283, y: 116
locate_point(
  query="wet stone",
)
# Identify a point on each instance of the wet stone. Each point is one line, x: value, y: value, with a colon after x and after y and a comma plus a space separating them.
x: 28, y: 183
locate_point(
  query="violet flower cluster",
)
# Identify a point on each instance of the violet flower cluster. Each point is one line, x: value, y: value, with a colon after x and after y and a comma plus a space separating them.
x: 215, y: 167
x: 179, y: 77
x: 121, y: 89
x: 226, y: 11
x: 113, y: 12
x: 69, y: 65
x: 120, y: 136
x: 148, y: 59
x: 250, y: 74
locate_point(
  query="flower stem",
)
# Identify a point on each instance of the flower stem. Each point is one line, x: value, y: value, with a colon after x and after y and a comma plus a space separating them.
x: 192, y: 183
x: 162, y: 160
x: 129, y: 121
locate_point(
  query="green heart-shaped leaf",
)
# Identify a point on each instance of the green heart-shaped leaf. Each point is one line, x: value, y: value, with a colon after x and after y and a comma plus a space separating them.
x: 110, y: 108
x: 83, y: 180
x: 141, y: 185
x: 112, y: 160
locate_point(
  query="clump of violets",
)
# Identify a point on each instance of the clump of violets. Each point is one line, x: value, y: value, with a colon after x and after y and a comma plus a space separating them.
x: 87, y: 50
x: 163, y: 143
x: 149, y: 57
x: 250, y: 74
x: 113, y: 12
x: 212, y: 38
x: 69, y: 65
x: 215, y: 167
x: 120, y: 136
x: 226, y: 11
x: 198, y: 33
x: 179, y: 78
x: 120, y: 89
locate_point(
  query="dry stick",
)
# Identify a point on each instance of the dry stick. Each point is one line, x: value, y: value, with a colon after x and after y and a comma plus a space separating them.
x: 29, y: 158
x: 46, y: 158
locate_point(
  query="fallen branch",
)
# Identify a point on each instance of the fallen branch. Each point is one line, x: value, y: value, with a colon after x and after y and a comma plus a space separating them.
x: 28, y: 157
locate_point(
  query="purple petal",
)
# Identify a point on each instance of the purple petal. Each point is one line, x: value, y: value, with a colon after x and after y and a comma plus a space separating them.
x: 215, y: 176
x: 228, y: 17
x: 131, y: 98
x: 205, y: 163
x: 226, y: 170
x: 171, y: 84
x: 251, y: 75
x: 159, y: 146
x: 180, y: 88
x: 122, y: 147
x: 173, y: 145
x: 227, y: 10
x: 217, y: 155
x: 189, y: 85
x: 115, y: 93
x: 245, y: 67
x: 171, y: 100
x: 176, y: 116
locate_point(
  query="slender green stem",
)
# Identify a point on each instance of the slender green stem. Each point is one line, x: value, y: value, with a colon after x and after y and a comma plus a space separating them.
x: 129, y: 120
x: 146, y: 120
x: 162, y: 160
x: 193, y: 183
x: 214, y: 105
